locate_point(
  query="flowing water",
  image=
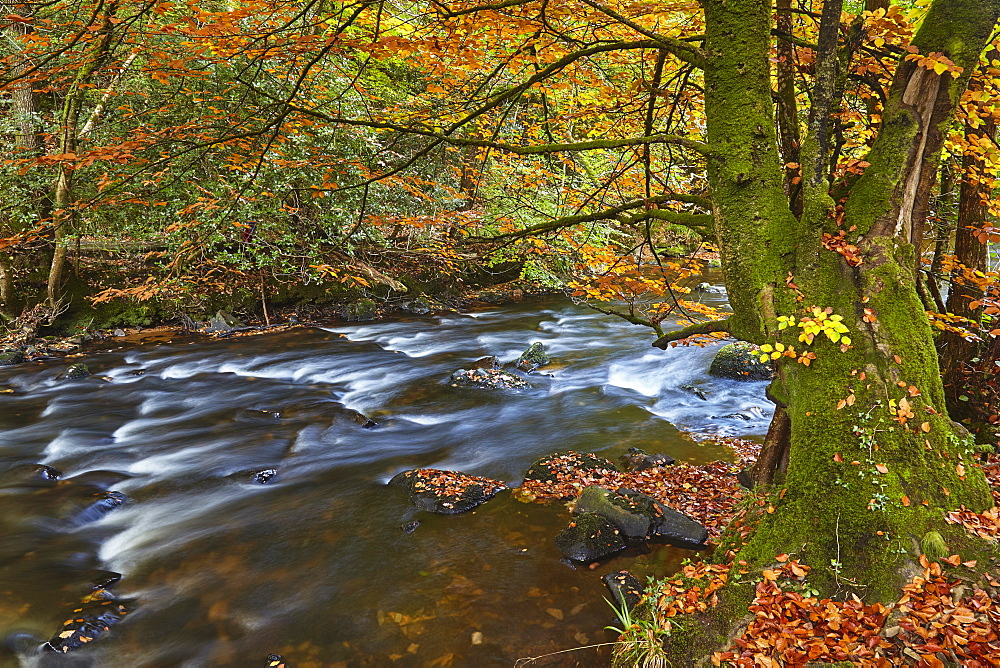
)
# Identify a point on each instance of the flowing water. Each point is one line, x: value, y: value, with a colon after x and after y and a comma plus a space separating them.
x: 220, y: 570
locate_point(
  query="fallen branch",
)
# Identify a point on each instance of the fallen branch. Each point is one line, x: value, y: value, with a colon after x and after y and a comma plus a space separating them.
x: 697, y: 328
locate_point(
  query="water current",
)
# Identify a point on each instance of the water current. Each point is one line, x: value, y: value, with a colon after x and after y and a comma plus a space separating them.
x: 221, y: 570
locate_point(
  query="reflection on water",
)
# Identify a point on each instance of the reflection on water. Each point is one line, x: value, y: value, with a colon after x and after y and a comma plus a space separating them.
x: 221, y: 570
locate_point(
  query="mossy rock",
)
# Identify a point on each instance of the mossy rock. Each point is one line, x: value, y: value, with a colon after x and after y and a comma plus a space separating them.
x: 740, y: 361
x: 571, y: 464
x: 445, y: 492
x: 12, y: 357
x: 532, y: 358
x: 75, y: 372
x: 638, y: 516
x: 361, y: 310
x: 588, y: 538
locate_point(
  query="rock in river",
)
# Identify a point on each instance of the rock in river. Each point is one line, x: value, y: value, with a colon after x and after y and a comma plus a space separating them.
x: 11, y: 357
x: 532, y: 358
x: 588, y: 538
x: 640, y: 460
x: 96, y: 614
x: 550, y: 468
x: 739, y: 361
x: 445, y: 492
x: 625, y: 588
x: 75, y: 372
x: 638, y: 516
x: 492, y: 379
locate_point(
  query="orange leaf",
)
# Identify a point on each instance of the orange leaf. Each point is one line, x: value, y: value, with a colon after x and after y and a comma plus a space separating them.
x: 881, y: 468
x: 837, y: 458
x: 906, y: 502
x: 925, y: 427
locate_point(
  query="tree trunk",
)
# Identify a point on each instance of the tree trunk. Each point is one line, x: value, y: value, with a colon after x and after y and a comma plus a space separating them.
x: 63, y: 215
x: 873, y: 459
x: 957, y: 352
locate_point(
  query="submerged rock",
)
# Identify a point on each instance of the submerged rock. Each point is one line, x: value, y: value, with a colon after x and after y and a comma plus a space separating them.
x: 491, y: 379
x: 640, y: 460
x: 588, y: 538
x: 101, y: 506
x: 640, y: 517
x: 95, y: 616
x: 445, y: 492
x: 696, y: 391
x: 625, y: 588
x: 75, y: 372
x: 740, y: 361
x: 11, y: 357
x: 532, y: 358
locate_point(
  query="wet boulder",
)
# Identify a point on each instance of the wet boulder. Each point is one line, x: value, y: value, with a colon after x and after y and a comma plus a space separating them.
x: 696, y: 391
x: 445, y: 492
x: 639, y: 460
x: 625, y: 588
x: 588, y: 538
x: 490, y: 379
x: 640, y: 517
x: 532, y: 358
x: 11, y: 357
x: 418, y: 306
x: 570, y: 465
x: 264, y: 476
x: 102, y: 504
x: 361, y: 310
x: 44, y: 472
x: 706, y: 288
x: 75, y: 372
x: 740, y: 361
x: 97, y: 613
x: 488, y: 362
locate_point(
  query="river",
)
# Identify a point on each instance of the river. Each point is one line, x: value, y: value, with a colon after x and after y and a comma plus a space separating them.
x: 221, y: 570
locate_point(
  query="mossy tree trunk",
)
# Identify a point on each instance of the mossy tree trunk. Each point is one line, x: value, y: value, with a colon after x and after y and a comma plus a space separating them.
x: 63, y: 214
x: 873, y: 461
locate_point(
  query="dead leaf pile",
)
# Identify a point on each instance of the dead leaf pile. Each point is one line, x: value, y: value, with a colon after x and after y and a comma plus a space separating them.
x: 707, y: 493
x: 451, y: 483
x: 985, y: 525
x: 937, y: 622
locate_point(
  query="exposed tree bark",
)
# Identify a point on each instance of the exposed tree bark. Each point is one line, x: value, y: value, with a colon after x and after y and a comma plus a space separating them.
x: 788, y: 115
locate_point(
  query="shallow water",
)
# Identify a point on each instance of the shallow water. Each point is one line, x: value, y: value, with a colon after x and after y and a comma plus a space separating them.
x: 219, y: 570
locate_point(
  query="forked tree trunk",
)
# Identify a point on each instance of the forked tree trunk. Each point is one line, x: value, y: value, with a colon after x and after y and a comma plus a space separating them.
x: 873, y: 460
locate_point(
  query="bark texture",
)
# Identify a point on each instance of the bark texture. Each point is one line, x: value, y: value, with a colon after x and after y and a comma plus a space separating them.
x: 873, y: 460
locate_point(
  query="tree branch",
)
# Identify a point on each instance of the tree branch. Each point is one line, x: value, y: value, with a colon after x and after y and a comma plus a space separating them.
x: 697, y: 328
